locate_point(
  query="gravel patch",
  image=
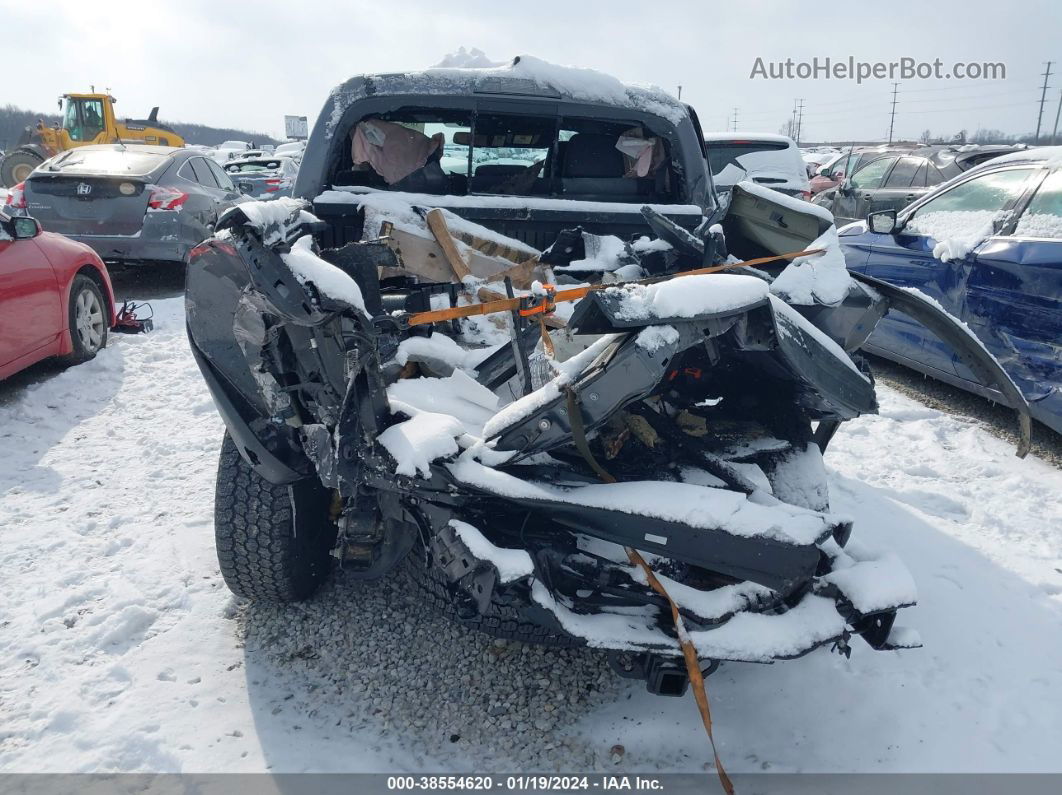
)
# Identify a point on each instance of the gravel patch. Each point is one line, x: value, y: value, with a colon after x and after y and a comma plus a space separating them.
x: 998, y: 420
x: 370, y: 653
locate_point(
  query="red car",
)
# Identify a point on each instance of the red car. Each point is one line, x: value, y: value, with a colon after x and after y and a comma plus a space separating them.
x: 55, y: 297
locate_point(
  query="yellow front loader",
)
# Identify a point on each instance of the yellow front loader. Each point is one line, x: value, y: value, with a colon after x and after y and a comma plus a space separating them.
x: 87, y: 119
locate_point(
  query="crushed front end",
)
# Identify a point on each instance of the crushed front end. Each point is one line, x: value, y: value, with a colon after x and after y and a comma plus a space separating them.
x: 686, y: 421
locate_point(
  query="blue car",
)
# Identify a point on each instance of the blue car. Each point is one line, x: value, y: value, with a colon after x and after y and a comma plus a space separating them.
x: 987, y: 246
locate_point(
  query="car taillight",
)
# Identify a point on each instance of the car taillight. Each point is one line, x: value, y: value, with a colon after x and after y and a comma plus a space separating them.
x: 272, y: 185
x: 163, y: 198
x: 16, y: 198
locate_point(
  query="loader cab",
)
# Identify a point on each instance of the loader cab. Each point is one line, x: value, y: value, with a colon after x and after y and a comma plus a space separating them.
x: 86, y: 117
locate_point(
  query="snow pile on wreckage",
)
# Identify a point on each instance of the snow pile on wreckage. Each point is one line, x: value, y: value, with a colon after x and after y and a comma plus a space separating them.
x: 523, y: 468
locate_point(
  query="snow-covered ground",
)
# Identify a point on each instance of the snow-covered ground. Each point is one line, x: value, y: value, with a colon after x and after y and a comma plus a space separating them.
x: 121, y: 649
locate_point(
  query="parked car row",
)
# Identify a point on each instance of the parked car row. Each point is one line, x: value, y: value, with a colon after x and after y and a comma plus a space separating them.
x: 987, y: 245
x: 894, y: 177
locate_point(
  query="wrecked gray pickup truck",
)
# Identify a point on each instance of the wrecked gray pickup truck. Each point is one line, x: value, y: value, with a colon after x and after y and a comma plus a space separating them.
x: 683, y: 417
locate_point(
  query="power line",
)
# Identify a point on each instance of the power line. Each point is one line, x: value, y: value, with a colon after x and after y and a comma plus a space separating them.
x: 972, y: 96
x: 936, y: 88
x: 972, y: 107
x: 892, y: 116
x: 1043, y: 96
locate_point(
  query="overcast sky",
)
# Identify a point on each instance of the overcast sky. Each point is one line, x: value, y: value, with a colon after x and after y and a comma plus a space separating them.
x: 246, y: 65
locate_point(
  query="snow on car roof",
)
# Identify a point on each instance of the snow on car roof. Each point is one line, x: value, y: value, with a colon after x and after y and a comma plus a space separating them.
x: 747, y: 136
x: 1048, y: 155
x: 525, y: 75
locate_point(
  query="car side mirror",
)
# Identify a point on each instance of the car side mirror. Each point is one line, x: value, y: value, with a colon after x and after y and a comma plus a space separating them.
x: 25, y: 228
x: 882, y: 222
x: 823, y: 171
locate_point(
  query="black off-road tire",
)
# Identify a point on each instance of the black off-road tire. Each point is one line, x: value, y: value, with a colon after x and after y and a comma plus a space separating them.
x: 521, y: 620
x: 88, y: 316
x: 13, y: 166
x: 273, y: 542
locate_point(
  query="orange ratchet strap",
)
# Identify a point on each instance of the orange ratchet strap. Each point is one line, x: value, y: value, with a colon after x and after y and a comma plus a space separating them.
x: 554, y: 296
x: 689, y: 651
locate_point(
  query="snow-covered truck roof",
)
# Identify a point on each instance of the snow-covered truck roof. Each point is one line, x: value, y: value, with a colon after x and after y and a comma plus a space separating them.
x: 524, y: 76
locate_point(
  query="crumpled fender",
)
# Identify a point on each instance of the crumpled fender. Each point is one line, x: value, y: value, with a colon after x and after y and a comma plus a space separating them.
x: 973, y: 353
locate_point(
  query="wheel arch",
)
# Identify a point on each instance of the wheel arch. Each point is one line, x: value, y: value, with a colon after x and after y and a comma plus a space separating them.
x: 92, y: 272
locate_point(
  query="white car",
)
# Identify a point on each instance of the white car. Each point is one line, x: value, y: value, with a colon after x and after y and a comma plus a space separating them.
x: 290, y: 149
x: 226, y: 151
x: 773, y: 161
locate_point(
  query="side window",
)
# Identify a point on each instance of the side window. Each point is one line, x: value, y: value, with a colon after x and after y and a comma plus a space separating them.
x: 975, y: 207
x: 185, y: 171
x: 224, y: 182
x: 903, y: 174
x: 202, y: 173
x: 92, y: 110
x: 934, y: 176
x: 1043, y: 216
x: 873, y: 173
x: 919, y: 180
x: 70, y: 120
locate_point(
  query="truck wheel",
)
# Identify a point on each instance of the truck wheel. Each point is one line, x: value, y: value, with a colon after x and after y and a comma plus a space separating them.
x: 273, y: 542
x: 87, y: 318
x: 15, y: 167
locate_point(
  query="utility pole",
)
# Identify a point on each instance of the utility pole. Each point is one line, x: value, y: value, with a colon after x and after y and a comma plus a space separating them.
x: 892, y: 115
x: 680, y: 92
x: 800, y: 120
x: 1043, y: 96
x: 1058, y: 112
x: 735, y: 119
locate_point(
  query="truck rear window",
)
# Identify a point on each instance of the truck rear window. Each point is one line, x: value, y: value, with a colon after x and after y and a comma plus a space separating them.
x: 118, y: 162
x: 459, y: 153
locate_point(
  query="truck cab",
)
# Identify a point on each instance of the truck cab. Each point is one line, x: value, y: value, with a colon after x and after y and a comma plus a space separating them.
x: 523, y: 151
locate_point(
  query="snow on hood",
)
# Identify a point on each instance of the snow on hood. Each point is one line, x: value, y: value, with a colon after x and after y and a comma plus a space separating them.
x: 512, y: 564
x: 697, y: 506
x: 817, y: 279
x: 271, y: 218
x: 689, y: 296
x: 326, y: 277
x: 570, y: 82
x: 798, y: 205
